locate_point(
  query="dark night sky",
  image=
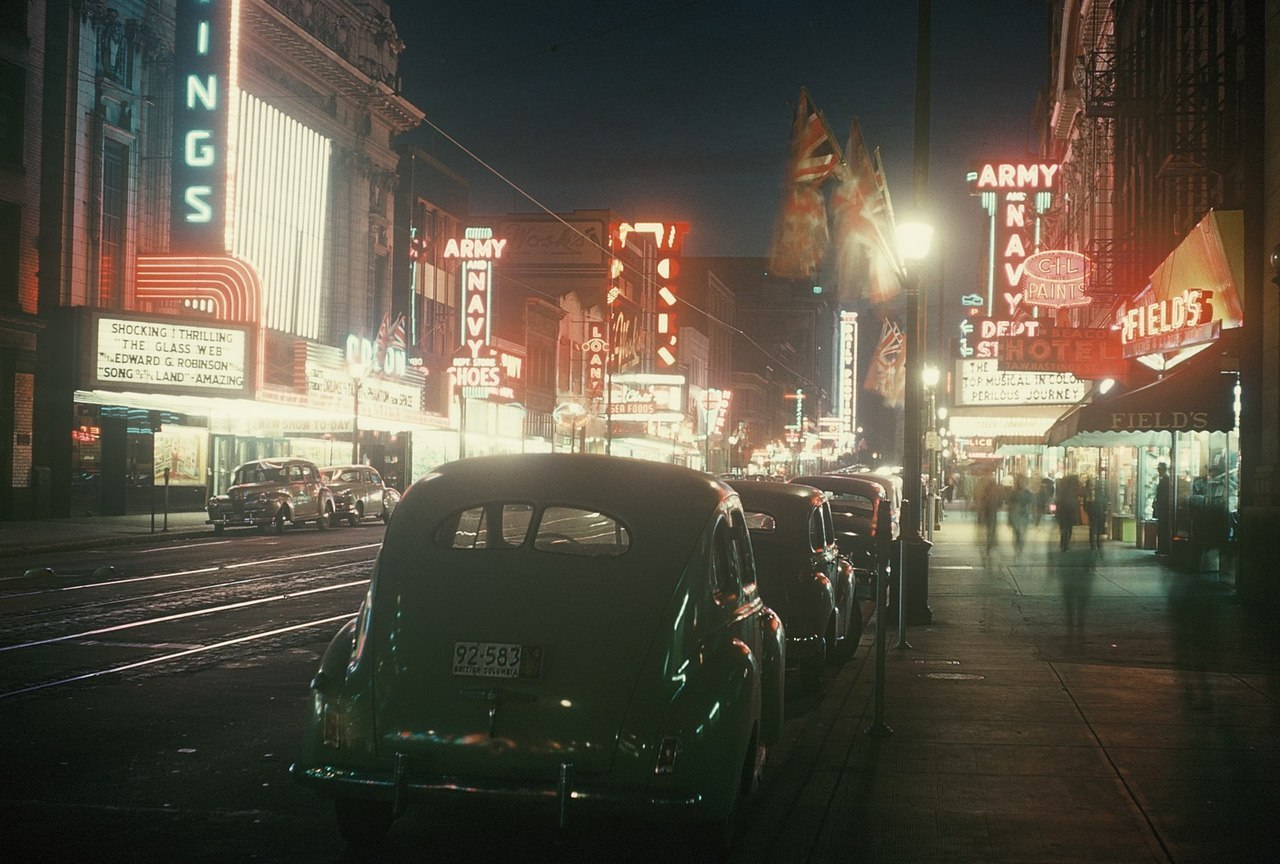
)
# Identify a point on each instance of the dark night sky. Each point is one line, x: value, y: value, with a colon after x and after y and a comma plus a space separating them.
x: 682, y: 110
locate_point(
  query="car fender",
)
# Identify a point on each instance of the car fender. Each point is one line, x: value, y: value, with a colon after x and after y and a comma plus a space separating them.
x: 811, y: 604
x: 714, y: 715
x: 773, y: 676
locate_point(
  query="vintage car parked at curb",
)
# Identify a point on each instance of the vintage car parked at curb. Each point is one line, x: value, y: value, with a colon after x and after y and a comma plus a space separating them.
x: 572, y: 632
x: 359, y: 493
x: 861, y: 532
x: 803, y: 576
x: 267, y: 493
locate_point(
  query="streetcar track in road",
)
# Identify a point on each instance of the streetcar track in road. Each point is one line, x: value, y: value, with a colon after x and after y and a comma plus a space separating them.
x: 200, y: 649
x: 177, y: 573
x: 29, y: 620
x: 178, y: 616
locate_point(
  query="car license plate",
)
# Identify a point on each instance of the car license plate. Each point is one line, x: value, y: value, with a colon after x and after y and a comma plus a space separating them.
x: 496, y: 660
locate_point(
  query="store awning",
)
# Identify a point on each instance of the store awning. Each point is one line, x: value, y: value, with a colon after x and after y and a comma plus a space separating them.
x: 1197, y: 397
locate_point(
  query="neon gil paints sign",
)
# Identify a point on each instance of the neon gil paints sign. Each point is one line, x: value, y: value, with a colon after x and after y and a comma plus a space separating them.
x: 1055, y: 279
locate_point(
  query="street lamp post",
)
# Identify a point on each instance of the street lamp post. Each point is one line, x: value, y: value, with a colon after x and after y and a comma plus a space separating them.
x: 358, y: 367
x: 913, y: 247
x: 930, y: 378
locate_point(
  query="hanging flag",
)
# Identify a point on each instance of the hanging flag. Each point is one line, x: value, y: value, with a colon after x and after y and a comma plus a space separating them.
x: 398, y: 337
x: 866, y: 250
x: 380, y: 343
x: 887, y: 373
x: 801, y: 236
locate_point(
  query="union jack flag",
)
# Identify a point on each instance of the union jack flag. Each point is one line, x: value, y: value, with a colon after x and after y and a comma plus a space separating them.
x: 398, y: 338
x: 801, y: 235
x: 887, y: 374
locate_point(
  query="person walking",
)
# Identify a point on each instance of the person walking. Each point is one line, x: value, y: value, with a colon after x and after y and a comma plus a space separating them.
x: 1067, y: 508
x: 987, y: 498
x: 1095, y: 509
x: 1160, y: 510
x: 1021, y: 505
x: 1044, y: 495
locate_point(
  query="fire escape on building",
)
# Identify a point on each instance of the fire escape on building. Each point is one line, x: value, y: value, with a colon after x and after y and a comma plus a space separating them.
x: 1149, y: 119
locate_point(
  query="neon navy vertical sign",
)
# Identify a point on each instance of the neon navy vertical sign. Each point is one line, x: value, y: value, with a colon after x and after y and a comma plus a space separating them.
x: 202, y: 97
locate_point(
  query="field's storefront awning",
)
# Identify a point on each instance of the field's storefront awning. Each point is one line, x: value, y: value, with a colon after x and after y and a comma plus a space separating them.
x: 1199, y: 397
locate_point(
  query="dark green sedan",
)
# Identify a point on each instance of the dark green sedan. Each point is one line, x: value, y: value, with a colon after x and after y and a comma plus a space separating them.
x: 574, y: 633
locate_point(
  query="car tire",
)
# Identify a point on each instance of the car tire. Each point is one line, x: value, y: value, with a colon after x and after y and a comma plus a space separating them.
x: 325, y: 519
x: 361, y: 822
x: 840, y: 649
x: 715, y: 839
x: 386, y: 512
x: 277, y: 524
x: 217, y: 529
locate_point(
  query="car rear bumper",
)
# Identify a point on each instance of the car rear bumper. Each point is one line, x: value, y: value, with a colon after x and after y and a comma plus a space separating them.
x: 563, y: 792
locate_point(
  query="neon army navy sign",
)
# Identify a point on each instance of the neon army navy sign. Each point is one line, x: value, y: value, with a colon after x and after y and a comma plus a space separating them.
x: 201, y: 111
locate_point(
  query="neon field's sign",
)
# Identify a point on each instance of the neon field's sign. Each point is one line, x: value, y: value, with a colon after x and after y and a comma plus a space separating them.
x: 203, y: 43
x: 1165, y: 325
x: 1055, y: 279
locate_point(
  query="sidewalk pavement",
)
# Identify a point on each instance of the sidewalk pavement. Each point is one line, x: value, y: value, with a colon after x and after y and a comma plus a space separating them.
x: 90, y: 532
x: 1061, y: 707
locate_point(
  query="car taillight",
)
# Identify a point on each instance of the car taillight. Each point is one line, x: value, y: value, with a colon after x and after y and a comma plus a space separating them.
x: 331, y: 728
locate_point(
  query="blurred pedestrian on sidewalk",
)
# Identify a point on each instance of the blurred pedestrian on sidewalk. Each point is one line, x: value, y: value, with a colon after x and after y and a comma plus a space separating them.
x: 1160, y: 510
x: 1067, y: 508
x: 1095, y: 509
x: 988, y: 497
x: 1021, y: 505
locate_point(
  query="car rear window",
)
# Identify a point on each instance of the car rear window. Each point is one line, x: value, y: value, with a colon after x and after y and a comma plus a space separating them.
x: 259, y: 474
x: 561, y: 529
x: 574, y: 531
x: 761, y: 523
x: 851, y: 502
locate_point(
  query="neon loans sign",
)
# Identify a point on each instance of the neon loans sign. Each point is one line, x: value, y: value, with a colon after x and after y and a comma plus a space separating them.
x: 203, y: 40
x: 476, y: 364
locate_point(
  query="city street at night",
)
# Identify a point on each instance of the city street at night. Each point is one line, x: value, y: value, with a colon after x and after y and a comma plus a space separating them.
x: 1144, y: 731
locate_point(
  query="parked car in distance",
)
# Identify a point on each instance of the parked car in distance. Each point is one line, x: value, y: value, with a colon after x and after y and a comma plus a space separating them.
x: 856, y: 509
x: 803, y: 577
x: 268, y: 493
x: 571, y: 632
x: 359, y: 493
